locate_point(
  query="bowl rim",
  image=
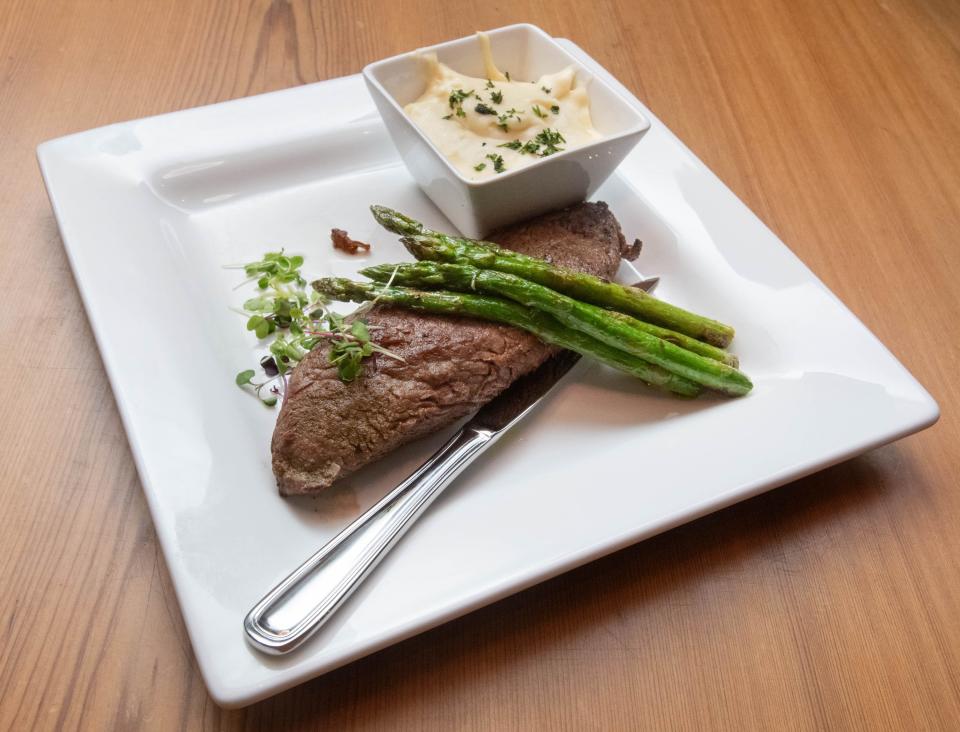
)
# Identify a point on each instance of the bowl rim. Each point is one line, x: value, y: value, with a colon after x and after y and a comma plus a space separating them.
x: 641, y: 125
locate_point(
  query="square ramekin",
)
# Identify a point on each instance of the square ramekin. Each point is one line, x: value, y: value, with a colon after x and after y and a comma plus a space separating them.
x: 478, y: 207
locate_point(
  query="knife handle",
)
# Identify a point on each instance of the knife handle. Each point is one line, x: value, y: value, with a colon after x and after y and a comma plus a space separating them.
x: 296, y: 608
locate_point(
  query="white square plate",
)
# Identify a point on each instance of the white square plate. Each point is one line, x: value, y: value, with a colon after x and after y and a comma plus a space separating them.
x: 151, y: 210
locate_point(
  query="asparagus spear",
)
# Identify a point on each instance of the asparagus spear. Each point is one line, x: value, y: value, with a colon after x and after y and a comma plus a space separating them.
x: 679, y: 339
x: 503, y: 311
x: 424, y: 243
x: 383, y: 273
x: 614, y: 329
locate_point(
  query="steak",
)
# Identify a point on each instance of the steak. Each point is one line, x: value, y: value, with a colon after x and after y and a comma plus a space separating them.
x: 327, y: 428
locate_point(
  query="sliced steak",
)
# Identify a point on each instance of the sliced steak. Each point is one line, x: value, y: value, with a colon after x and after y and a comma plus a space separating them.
x: 328, y: 428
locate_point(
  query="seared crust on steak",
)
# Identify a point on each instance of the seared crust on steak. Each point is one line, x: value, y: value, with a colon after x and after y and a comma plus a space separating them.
x: 328, y: 428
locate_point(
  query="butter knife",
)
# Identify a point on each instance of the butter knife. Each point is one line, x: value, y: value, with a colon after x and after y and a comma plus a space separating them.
x: 297, y: 607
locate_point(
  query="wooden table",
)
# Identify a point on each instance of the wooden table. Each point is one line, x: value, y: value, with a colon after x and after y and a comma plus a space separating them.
x: 829, y: 603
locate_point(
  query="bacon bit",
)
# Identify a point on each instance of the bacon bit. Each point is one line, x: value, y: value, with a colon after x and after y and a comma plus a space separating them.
x: 342, y: 241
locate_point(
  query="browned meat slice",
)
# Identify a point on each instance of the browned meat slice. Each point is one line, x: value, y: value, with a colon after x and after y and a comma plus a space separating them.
x: 328, y: 428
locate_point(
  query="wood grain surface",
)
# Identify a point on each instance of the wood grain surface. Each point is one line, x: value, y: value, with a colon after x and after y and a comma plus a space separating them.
x: 831, y: 603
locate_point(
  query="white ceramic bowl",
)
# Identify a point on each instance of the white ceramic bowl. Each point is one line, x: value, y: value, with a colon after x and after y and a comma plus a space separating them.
x: 477, y: 207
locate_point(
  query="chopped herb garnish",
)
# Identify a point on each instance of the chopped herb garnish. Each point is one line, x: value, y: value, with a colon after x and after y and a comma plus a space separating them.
x: 537, y: 111
x: 496, y: 97
x: 484, y: 109
x: 555, y: 109
x: 530, y: 147
x: 448, y: 116
x: 479, y: 166
x: 545, y: 90
x: 490, y: 84
x: 497, y: 162
x: 549, y: 139
x: 456, y: 101
x: 507, y: 74
x: 457, y: 96
x: 505, y: 117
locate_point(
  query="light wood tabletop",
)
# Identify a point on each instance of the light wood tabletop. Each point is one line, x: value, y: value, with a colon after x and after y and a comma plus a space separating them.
x: 830, y: 603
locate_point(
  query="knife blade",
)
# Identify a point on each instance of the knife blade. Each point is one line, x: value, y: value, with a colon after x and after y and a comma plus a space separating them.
x: 520, y: 397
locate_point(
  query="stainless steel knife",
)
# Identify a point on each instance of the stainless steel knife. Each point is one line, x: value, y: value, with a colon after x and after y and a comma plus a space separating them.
x: 297, y: 607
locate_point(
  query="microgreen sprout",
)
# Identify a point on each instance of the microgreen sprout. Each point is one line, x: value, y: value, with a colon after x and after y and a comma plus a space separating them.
x: 285, y: 309
x: 297, y: 319
x: 245, y: 378
x: 349, y: 344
